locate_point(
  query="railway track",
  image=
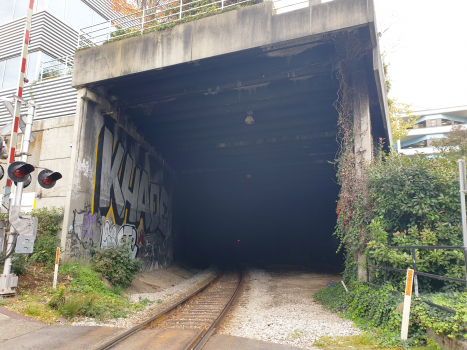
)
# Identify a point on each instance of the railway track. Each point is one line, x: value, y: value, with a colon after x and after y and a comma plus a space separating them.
x: 186, y: 325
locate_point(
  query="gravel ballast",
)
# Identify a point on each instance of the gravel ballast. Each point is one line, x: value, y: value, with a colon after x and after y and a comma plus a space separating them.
x: 278, y: 306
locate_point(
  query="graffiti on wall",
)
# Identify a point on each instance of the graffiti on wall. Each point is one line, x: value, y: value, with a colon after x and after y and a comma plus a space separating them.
x: 84, y: 232
x: 131, y: 200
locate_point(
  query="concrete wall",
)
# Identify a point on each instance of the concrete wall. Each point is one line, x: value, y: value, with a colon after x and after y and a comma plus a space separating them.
x: 51, y: 149
x: 121, y: 191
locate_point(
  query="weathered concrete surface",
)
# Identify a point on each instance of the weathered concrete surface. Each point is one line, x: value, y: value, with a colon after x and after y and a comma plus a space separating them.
x: 243, y: 29
x: 14, y: 325
x: 229, y: 342
x: 61, y: 338
x: 446, y: 343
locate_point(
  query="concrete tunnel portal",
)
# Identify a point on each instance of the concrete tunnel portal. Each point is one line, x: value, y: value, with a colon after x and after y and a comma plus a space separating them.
x: 250, y: 135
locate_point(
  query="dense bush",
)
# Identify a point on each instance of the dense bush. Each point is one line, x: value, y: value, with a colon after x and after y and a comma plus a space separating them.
x: 374, y: 308
x: 415, y: 201
x: 116, y: 265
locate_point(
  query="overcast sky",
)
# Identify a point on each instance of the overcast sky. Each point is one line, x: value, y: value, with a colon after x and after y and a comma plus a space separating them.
x: 426, y: 47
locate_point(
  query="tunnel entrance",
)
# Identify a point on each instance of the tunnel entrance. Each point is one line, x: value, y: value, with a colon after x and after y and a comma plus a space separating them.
x: 249, y: 136
x: 232, y: 116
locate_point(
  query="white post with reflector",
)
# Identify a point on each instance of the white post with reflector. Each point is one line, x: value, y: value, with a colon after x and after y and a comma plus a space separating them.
x: 57, y: 258
x: 407, y: 302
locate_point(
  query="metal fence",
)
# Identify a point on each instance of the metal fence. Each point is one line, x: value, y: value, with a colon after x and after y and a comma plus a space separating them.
x: 58, y: 67
x: 153, y: 18
x: 418, y: 273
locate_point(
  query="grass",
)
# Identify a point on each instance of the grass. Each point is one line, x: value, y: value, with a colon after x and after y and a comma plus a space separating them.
x: 362, y: 341
x: 81, y: 293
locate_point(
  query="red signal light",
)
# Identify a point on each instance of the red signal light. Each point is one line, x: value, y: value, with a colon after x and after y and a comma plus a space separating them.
x: 239, y: 240
x: 48, y: 180
x: 19, y: 173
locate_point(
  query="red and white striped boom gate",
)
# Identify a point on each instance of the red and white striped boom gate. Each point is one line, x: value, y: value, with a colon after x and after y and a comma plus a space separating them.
x: 17, y: 109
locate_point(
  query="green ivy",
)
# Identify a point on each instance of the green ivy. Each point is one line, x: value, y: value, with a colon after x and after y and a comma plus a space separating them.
x: 380, y: 310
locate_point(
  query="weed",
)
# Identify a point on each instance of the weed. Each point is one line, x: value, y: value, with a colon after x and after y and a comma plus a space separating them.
x: 296, y: 334
x: 35, y: 309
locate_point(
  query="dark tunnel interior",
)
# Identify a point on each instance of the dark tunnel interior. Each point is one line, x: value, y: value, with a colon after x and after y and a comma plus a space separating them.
x: 240, y: 218
x: 251, y: 138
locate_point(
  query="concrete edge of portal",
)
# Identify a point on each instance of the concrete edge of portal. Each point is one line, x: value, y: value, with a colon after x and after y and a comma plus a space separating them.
x: 251, y: 27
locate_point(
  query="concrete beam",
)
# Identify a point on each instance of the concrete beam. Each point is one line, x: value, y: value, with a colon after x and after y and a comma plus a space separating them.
x: 247, y: 28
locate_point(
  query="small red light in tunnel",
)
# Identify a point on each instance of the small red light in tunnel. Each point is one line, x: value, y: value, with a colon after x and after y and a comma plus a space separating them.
x: 239, y: 240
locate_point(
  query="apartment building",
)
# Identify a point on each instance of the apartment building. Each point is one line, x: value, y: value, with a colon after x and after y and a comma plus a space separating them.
x: 431, y: 125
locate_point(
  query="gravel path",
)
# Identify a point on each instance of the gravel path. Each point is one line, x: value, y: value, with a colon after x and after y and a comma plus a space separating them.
x: 167, y: 297
x: 277, y: 306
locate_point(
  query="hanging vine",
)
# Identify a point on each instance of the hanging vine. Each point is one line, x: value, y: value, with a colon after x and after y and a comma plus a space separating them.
x: 352, y: 206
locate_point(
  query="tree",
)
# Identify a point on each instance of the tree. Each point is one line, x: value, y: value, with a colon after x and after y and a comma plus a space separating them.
x: 400, y: 125
x: 125, y: 7
x: 455, y: 145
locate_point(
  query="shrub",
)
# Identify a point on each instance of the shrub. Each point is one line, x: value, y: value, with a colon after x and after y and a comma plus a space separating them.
x: 116, y: 265
x: 415, y: 201
x: 48, y: 220
x: 45, y: 248
x: 381, y: 308
x: 19, y: 264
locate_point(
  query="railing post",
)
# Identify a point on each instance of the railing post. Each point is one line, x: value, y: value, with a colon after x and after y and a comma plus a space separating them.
x: 108, y: 28
x: 462, y: 186
x: 222, y: 4
x: 142, y: 23
x: 415, y: 278
x: 181, y: 7
x: 41, y: 72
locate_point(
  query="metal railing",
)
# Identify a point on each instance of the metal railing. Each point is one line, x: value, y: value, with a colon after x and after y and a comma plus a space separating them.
x: 418, y: 273
x: 153, y: 18
x: 58, y: 67
x: 281, y: 6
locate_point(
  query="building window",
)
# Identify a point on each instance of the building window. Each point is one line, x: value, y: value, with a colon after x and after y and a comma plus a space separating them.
x: 420, y: 125
x: 8, y: 8
x: 21, y: 8
x: 432, y: 122
x: 11, y: 75
x: 13, y: 9
x: 73, y: 12
x: 78, y: 14
x: 420, y: 144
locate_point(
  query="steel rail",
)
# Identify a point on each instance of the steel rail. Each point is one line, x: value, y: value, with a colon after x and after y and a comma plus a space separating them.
x: 212, y: 329
x: 201, y: 337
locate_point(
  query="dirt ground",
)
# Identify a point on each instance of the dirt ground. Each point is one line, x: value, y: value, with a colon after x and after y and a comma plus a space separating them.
x: 158, y: 280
